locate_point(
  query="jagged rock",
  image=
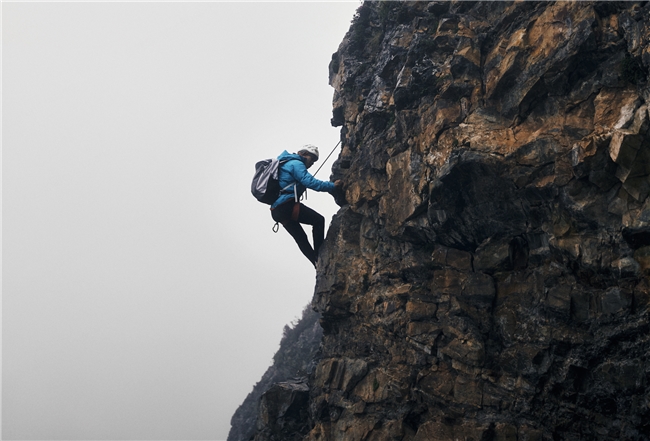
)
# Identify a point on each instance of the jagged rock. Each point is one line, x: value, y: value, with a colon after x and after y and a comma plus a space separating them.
x: 296, y: 357
x: 488, y: 274
x: 284, y: 412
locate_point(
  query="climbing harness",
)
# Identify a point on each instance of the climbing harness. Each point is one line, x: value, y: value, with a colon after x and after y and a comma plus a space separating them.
x: 295, y: 212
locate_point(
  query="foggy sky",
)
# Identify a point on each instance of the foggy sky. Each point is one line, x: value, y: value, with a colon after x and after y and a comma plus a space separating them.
x: 144, y: 293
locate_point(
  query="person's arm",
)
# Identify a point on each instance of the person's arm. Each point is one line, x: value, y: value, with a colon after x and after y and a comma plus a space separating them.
x: 305, y: 178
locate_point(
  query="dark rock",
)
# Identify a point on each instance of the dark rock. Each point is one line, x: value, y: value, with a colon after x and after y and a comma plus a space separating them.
x: 284, y: 412
x: 297, y: 357
x: 637, y: 237
x: 488, y: 275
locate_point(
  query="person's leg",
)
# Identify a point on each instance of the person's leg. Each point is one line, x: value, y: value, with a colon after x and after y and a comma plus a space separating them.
x: 313, y: 218
x: 300, y: 237
x: 283, y: 214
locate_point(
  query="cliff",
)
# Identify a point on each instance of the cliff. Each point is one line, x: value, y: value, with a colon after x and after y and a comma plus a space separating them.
x: 294, y: 361
x: 487, y: 276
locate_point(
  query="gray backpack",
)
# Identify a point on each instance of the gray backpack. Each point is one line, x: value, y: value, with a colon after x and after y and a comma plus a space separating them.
x: 265, y: 186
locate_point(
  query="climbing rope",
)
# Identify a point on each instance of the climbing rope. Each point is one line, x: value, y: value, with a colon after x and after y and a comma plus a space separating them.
x: 328, y: 157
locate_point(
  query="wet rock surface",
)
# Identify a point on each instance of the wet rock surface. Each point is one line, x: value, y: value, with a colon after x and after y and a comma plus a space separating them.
x: 487, y: 276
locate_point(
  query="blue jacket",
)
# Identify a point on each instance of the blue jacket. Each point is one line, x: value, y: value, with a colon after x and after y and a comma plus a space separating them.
x: 294, y: 172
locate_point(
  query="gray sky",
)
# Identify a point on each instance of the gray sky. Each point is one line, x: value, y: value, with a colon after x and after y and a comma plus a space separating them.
x: 144, y: 293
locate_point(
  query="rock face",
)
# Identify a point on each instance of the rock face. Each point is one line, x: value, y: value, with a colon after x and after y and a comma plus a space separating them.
x: 283, y: 412
x: 488, y: 277
x: 281, y: 385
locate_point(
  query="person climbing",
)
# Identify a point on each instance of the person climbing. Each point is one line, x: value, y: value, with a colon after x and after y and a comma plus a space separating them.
x: 289, y: 211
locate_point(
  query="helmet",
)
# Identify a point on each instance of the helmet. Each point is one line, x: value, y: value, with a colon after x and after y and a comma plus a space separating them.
x: 311, y: 149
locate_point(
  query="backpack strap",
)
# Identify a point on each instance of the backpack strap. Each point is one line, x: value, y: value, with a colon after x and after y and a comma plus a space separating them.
x: 295, y: 186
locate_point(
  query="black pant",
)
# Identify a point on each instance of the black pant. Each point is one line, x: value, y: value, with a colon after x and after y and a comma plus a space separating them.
x: 286, y: 215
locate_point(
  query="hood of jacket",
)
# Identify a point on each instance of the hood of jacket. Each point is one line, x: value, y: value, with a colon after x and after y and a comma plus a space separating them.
x: 285, y: 156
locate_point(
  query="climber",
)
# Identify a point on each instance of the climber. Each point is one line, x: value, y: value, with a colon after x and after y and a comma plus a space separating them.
x: 287, y: 209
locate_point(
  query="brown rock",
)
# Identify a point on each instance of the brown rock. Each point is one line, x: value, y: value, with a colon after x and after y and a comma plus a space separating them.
x: 488, y: 276
x: 419, y: 310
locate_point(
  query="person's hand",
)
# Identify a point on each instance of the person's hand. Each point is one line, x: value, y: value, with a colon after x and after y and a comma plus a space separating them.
x: 339, y: 193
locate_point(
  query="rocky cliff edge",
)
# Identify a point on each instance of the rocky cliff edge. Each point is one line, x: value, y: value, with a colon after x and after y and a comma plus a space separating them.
x: 488, y: 275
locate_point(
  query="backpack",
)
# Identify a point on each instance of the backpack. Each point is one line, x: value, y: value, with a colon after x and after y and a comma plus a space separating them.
x: 265, y: 186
